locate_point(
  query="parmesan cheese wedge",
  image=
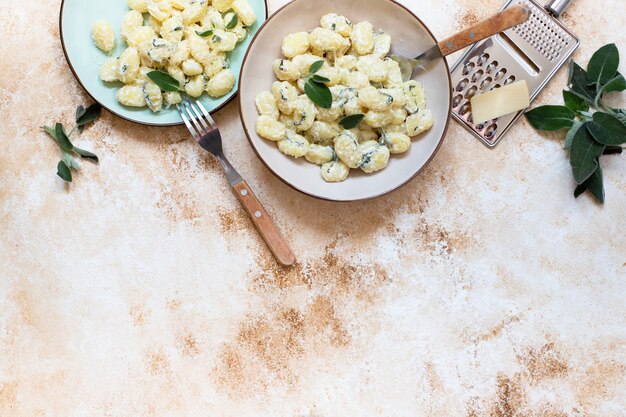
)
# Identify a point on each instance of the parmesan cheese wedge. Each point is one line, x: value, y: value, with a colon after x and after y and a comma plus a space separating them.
x: 501, y: 101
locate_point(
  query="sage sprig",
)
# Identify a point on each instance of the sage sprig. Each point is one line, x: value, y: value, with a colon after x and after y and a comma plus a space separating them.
x: 68, y: 150
x: 352, y: 121
x: 165, y: 81
x: 315, y: 88
x: 205, y: 34
x: 593, y: 128
x: 233, y: 22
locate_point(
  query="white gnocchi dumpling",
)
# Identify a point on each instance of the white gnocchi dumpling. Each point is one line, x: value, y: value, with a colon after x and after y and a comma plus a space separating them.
x: 295, y: 44
x: 375, y: 157
x: 266, y: 104
x: 419, y: 122
x: 335, y: 171
x: 132, y: 96
x: 348, y: 149
x: 187, y: 39
x: 362, y: 37
x: 337, y: 23
x: 319, y: 154
x: 103, y: 35
x: 221, y: 83
x: 373, y: 114
x: 270, y: 128
x: 294, y: 145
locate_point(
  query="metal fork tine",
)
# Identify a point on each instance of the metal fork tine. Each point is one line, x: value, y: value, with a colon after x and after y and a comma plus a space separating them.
x: 207, y: 115
x: 193, y: 118
x: 191, y: 129
x: 199, y: 117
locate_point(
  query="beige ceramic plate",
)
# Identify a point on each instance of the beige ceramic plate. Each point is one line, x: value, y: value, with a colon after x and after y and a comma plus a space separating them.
x: 409, y: 38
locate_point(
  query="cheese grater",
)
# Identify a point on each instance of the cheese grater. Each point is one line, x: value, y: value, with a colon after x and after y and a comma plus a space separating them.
x: 533, y: 51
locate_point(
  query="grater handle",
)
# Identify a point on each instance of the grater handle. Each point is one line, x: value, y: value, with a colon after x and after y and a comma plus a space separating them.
x: 494, y: 25
x: 557, y: 7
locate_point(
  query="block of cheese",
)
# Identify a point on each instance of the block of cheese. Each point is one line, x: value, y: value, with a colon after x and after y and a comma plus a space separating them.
x: 501, y: 101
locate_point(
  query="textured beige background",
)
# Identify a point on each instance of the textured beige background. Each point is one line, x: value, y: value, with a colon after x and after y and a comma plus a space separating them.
x: 482, y: 288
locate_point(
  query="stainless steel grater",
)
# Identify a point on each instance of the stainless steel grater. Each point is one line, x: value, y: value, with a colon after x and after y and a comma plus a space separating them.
x: 533, y: 51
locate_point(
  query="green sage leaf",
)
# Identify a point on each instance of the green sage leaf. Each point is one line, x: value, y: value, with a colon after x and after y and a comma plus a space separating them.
x: 571, y: 133
x: 86, y: 154
x: 350, y: 122
x: 205, y: 34
x: 62, y: 138
x: 580, y: 190
x: 64, y: 172
x: 316, y: 66
x: 52, y: 133
x: 319, y: 94
x: 89, y: 115
x: 70, y: 161
x: 595, y: 185
x: 603, y: 65
x: 607, y: 129
x: 579, y: 85
x: 233, y: 22
x: 165, y: 81
x: 583, y: 155
x: 551, y: 118
x: 615, y: 85
x: 319, y: 79
x: 574, y: 102
x: 80, y: 111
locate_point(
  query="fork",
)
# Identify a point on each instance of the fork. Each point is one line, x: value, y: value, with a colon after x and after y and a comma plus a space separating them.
x: 205, y: 131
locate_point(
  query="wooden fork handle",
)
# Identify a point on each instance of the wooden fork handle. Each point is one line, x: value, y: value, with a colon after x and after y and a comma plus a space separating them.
x: 489, y: 27
x: 270, y: 233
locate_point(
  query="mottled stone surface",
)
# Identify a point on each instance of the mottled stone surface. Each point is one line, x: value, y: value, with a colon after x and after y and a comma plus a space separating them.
x: 482, y: 288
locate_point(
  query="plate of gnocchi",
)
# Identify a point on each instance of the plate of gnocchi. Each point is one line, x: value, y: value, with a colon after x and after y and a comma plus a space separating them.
x: 328, y: 110
x: 138, y: 57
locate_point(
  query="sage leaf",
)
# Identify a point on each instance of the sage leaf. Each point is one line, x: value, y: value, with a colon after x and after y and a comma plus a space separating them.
x: 583, y: 155
x: 62, y: 138
x: 580, y: 190
x: 70, y: 161
x: 570, y: 134
x: 319, y: 79
x: 594, y: 184
x: 80, y: 111
x: 603, y: 65
x: 165, y: 81
x: 618, y: 83
x: 64, y: 172
x: 607, y: 129
x: 205, y: 34
x: 51, y: 132
x: 316, y: 66
x: 319, y: 94
x: 574, y: 102
x: 87, y: 116
x: 86, y: 154
x: 579, y: 85
x: 350, y: 122
x: 551, y: 118
x: 233, y: 22
x: 407, y: 65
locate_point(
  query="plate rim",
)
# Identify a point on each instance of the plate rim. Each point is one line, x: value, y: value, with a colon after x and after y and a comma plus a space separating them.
x: 80, y: 82
x: 319, y: 197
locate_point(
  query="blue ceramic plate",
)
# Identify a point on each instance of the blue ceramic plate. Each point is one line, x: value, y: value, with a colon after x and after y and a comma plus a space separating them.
x: 85, y: 59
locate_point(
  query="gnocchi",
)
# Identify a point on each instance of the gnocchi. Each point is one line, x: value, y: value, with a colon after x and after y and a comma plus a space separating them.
x: 188, y: 39
x: 364, y: 82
